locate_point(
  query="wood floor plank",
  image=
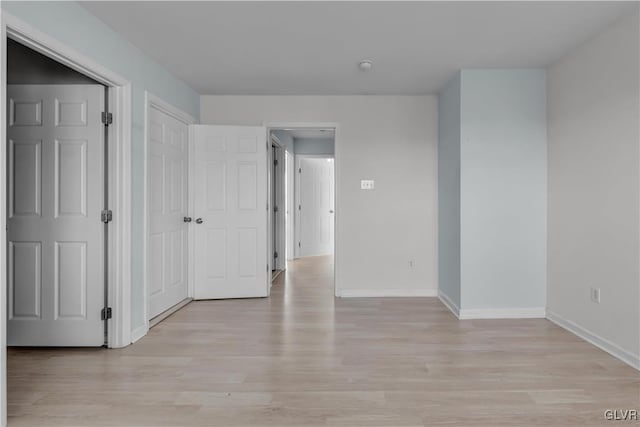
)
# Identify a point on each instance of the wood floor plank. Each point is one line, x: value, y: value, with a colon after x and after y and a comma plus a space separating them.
x: 304, y: 358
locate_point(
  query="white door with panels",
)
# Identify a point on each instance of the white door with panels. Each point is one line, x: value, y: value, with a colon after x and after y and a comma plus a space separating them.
x: 56, y: 256
x: 168, y: 172
x: 230, y: 197
x: 315, y: 206
x: 289, y: 190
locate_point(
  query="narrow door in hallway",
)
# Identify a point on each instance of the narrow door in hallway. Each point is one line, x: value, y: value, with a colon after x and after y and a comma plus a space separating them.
x: 315, y: 206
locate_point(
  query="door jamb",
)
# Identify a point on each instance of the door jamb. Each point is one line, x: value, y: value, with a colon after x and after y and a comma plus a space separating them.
x: 153, y: 101
x: 279, y: 181
x: 336, y: 178
x: 118, y: 176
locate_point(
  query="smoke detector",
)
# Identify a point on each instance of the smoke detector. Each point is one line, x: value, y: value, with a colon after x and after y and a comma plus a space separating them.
x: 365, y: 65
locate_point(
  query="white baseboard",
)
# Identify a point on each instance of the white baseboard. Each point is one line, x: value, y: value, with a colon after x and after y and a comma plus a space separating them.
x: 444, y: 298
x: 378, y: 293
x: 139, y: 333
x: 491, y: 313
x: 502, y: 313
x: 602, y: 343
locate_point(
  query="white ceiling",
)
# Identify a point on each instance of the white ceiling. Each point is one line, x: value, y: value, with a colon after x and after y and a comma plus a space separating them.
x: 313, y: 48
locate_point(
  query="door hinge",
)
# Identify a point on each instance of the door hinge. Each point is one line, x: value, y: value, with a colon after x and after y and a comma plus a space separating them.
x: 107, y: 118
x: 275, y: 162
x: 275, y: 209
x: 299, y: 245
x: 299, y: 207
x: 105, y: 313
x: 106, y: 216
x: 275, y: 254
x: 299, y: 170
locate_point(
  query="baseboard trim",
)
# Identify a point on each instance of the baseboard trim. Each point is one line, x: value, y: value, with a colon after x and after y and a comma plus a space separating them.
x: 502, y: 313
x: 388, y: 293
x: 139, y: 333
x: 602, y: 343
x: 444, y: 299
x: 160, y: 317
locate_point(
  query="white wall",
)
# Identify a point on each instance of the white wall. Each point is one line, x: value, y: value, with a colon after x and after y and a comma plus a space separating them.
x: 594, y: 188
x: 449, y: 193
x: 391, y: 139
x: 503, y: 190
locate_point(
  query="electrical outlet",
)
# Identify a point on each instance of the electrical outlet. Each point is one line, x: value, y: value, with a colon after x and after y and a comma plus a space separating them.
x: 595, y: 295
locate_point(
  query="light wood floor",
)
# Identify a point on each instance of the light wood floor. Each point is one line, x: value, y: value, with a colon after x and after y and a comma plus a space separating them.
x: 303, y: 358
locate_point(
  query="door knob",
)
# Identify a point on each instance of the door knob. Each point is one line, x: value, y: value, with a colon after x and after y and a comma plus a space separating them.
x: 331, y: 211
x: 187, y: 219
x: 199, y: 221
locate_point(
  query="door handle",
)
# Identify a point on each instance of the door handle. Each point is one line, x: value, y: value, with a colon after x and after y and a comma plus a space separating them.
x: 331, y: 211
x: 187, y: 219
x: 199, y: 221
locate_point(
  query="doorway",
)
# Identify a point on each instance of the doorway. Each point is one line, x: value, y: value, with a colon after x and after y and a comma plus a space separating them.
x: 117, y: 195
x: 57, y: 214
x: 307, y: 182
x: 277, y: 207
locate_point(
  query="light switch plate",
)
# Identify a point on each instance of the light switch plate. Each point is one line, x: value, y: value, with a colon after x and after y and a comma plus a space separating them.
x: 367, y: 184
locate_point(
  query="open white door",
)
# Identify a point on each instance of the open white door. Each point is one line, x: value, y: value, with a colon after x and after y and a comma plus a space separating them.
x: 230, y: 197
x: 168, y: 207
x: 289, y: 192
x: 56, y: 193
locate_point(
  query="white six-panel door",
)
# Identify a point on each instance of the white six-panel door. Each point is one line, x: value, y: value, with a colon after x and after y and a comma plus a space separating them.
x: 290, y: 200
x: 167, y: 253
x: 54, y: 231
x: 230, y: 192
x: 316, y: 206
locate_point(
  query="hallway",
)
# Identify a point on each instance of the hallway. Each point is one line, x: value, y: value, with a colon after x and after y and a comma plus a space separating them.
x: 303, y: 358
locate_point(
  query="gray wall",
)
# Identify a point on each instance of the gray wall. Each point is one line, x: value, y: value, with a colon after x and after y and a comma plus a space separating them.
x: 503, y: 189
x: 315, y: 146
x: 74, y: 26
x: 449, y: 191
x: 492, y: 192
x: 285, y: 138
x: 594, y: 188
x: 391, y: 139
x: 26, y: 66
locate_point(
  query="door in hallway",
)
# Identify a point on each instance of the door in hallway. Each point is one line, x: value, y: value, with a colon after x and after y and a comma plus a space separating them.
x: 56, y: 282
x: 168, y: 145
x: 231, y: 207
x: 315, y: 206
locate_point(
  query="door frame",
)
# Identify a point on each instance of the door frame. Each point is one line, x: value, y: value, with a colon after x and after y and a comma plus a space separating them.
x: 118, y: 180
x: 280, y: 202
x: 296, y: 228
x: 153, y: 101
x: 336, y: 179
